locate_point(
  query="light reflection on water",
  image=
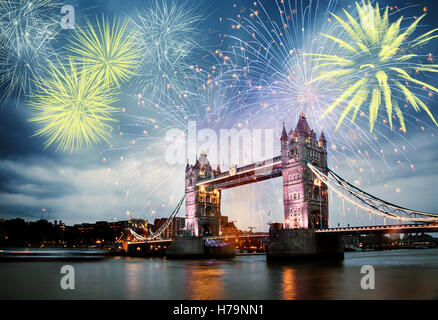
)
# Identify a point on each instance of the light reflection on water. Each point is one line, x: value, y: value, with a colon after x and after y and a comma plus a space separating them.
x: 400, y: 274
x: 204, y: 281
x: 288, y: 287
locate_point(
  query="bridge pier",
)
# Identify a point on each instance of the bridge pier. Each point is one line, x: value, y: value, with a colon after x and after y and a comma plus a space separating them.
x: 304, y: 244
x: 194, y: 247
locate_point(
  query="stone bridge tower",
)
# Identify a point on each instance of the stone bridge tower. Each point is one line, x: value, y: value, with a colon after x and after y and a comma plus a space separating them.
x: 202, y: 204
x: 305, y: 198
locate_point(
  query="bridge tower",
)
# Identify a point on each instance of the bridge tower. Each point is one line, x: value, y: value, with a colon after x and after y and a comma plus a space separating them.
x: 202, y: 203
x: 305, y: 198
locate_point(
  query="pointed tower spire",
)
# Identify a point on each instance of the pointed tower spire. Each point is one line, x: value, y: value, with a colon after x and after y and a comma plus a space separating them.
x: 302, y: 125
x: 322, y: 139
x: 321, y: 136
x: 284, y: 133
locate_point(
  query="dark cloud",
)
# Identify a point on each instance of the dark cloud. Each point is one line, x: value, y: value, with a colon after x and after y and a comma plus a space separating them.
x: 16, y: 133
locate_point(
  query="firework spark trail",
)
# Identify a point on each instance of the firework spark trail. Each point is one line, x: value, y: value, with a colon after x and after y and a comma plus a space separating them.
x: 376, y: 61
x: 273, y: 54
x: 242, y: 95
x: 207, y: 99
x: 167, y: 36
x: 107, y: 51
x: 72, y: 108
x: 27, y: 31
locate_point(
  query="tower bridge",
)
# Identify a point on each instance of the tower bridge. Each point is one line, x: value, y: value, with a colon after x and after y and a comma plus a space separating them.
x: 306, y: 178
x: 305, y: 204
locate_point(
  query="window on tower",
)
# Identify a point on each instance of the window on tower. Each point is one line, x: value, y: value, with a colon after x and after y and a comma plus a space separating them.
x: 316, y: 193
x: 293, y: 153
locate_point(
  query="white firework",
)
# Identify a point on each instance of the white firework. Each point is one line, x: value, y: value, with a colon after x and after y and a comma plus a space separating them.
x: 27, y: 31
x: 167, y: 36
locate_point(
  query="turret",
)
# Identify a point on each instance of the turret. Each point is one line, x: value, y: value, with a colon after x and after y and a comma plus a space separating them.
x: 322, y: 142
x: 302, y: 130
x: 204, y: 165
x: 283, y: 139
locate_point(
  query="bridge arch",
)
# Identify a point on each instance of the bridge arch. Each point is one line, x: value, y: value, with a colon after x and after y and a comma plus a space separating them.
x: 315, y: 220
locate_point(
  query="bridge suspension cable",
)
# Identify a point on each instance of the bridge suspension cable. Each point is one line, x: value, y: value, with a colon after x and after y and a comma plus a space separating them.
x: 163, y: 227
x: 368, y: 202
x: 137, y: 236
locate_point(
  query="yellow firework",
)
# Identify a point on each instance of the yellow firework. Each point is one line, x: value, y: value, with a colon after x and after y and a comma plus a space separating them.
x: 376, y: 65
x: 72, y: 108
x: 106, y: 51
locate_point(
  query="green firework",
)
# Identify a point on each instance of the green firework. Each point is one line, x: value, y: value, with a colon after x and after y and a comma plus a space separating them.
x: 106, y: 51
x: 72, y: 108
x: 376, y: 63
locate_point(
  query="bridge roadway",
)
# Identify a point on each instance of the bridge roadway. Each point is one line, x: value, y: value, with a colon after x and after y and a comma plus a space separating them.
x: 400, y: 228
x: 404, y: 228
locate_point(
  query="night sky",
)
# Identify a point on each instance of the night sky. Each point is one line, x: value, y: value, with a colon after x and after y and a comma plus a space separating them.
x: 105, y: 182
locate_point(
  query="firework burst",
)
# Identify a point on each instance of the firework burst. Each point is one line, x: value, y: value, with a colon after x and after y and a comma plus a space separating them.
x: 274, y: 65
x: 72, y: 108
x: 106, y: 52
x: 377, y: 63
x: 167, y: 36
x: 27, y: 31
x: 207, y: 100
x: 271, y: 52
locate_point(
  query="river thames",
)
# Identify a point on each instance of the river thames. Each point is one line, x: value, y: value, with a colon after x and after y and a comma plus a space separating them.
x: 399, y: 274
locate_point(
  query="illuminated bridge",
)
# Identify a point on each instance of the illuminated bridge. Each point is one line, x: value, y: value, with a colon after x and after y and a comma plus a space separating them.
x: 307, y: 179
x: 420, y: 221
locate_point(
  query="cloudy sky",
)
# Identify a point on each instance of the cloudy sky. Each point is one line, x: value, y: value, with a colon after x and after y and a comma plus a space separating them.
x: 129, y: 178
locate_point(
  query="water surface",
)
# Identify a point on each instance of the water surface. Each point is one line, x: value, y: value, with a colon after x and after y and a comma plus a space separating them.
x: 399, y: 274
